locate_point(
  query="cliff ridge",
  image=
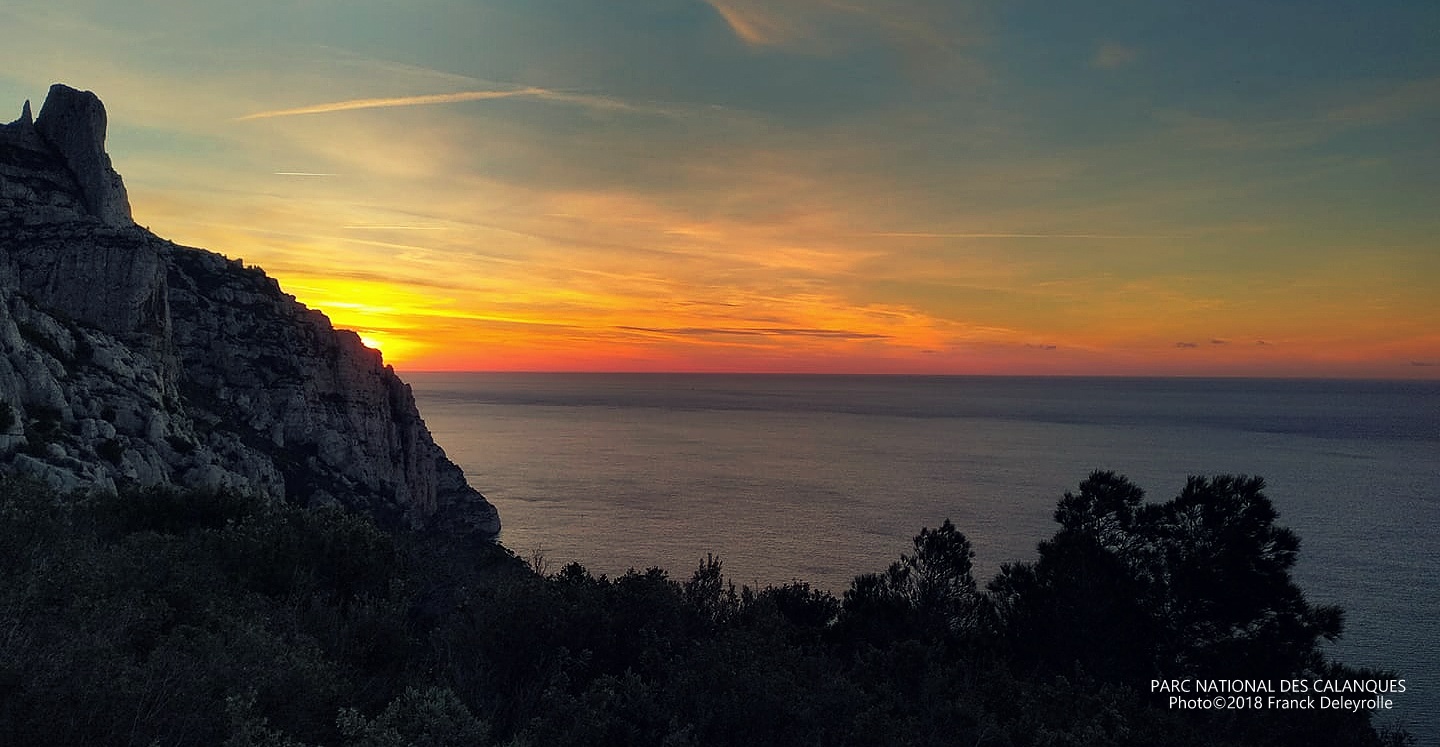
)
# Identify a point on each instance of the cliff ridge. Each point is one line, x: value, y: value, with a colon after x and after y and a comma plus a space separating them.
x: 128, y: 360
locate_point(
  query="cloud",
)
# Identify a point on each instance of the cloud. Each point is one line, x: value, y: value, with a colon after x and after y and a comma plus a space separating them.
x: 1396, y: 103
x: 970, y: 235
x: 1187, y: 345
x: 1218, y: 341
x: 1423, y: 364
x: 757, y: 25
x: 828, y: 334
x: 824, y: 26
x: 586, y: 100
x: 1111, y: 56
x: 394, y: 227
x: 1234, y: 134
x: 1305, y: 123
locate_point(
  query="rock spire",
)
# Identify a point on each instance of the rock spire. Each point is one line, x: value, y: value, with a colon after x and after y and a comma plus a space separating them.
x: 73, y: 122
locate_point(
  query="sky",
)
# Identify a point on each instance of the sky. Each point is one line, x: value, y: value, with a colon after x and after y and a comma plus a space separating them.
x: 1146, y: 187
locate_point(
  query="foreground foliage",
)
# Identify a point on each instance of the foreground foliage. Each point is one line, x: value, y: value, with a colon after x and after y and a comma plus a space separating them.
x: 160, y: 618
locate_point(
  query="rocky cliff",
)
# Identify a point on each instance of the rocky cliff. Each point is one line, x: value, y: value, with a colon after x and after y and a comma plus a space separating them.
x: 126, y: 359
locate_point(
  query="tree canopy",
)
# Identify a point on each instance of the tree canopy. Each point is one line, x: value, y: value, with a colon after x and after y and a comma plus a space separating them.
x: 166, y: 618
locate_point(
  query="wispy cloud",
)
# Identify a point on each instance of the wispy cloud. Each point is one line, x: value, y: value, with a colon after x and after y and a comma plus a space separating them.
x: 1401, y: 101
x: 822, y: 26
x: 1306, y: 123
x: 587, y: 100
x: 829, y: 334
x: 756, y: 24
x: 1111, y: 56
x: 1239, y: 134
x: 392, y: 227
x: 1007, y: 235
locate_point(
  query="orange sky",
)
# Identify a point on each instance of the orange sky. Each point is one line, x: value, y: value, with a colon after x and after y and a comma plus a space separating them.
x: 889, y: 186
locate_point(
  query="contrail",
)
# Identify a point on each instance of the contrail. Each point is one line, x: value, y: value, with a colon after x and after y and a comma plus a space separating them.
x: 589, y: 100
x: 382, y: 103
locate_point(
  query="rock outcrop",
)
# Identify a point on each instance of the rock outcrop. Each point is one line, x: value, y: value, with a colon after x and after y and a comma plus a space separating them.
x: 74, y: 123
x: 126, y: 359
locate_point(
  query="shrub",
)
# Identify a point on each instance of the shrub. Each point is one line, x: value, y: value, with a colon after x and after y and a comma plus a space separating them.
x: 182, y: 617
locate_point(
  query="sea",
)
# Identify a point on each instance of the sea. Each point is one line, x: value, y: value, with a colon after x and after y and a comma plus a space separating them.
x: 821, y: 478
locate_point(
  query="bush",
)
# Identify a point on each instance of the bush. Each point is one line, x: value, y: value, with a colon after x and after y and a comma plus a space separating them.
x: 177, y: 617
x: 433, y: 717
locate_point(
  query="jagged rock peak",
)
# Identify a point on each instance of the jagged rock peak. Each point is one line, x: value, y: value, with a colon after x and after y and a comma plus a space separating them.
x: 22, y: 131
x: 73, y: 122
x: 26, y: 119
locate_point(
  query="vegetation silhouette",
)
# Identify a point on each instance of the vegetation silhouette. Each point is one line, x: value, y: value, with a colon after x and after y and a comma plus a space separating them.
x: 166, y: 618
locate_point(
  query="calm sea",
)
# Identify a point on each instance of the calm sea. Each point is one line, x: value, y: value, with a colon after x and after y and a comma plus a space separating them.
x: 819, y: 478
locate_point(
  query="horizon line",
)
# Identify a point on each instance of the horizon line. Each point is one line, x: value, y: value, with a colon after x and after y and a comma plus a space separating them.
x: 878, y: 374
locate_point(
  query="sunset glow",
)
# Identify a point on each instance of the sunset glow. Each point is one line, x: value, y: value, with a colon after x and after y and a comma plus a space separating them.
x: 734, y: 185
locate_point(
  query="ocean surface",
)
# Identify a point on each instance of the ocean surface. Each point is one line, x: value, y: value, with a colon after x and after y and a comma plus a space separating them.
x: 820, y: 478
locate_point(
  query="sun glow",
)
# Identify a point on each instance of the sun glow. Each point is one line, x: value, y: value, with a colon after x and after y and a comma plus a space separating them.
x: 395, y: 348
x: 386, y: 316
x: 952, y: 210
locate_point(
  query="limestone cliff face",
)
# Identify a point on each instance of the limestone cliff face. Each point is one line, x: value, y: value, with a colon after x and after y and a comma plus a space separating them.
x: 128, y: 360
